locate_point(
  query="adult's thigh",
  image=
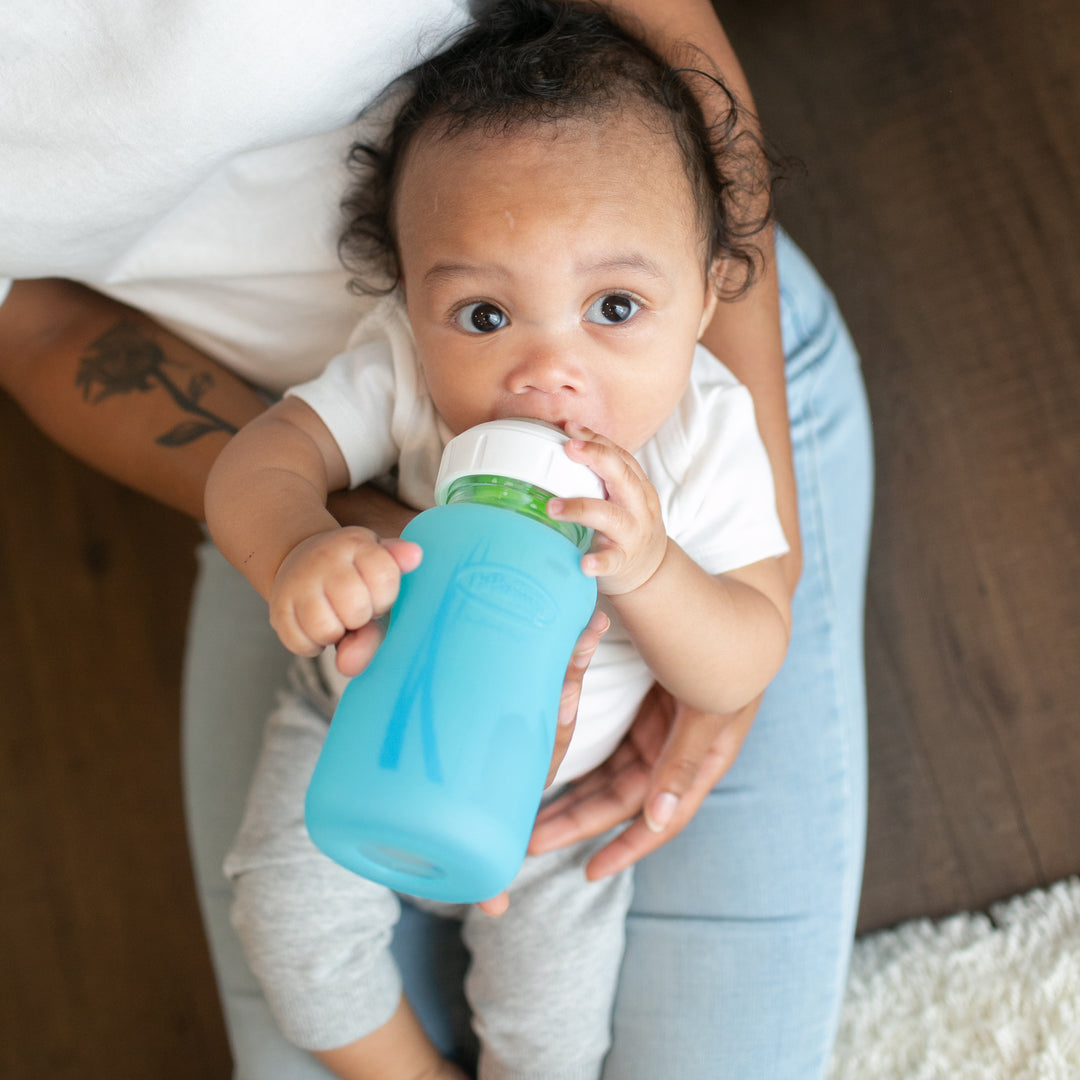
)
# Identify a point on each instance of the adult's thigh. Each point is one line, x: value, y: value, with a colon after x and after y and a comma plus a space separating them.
x: 234, y: 669
x: 740, y: 931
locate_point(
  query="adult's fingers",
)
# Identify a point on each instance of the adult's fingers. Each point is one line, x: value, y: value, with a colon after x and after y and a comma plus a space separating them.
x: 614, y: 791
x: 645, y: 834
x: 670, y: 750
x: 679, y: 768
x: 580, y: 659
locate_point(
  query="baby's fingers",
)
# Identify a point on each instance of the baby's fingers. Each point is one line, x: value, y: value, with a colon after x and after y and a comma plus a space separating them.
x: 307, y: 624
x: 336, y: 582
x: 370, y: 586
x: 496, y: 906
x: 609, y: 518
x: 347, y: 595
x: 405, y: 553
x: 623, y: 476
x: 355, y: 650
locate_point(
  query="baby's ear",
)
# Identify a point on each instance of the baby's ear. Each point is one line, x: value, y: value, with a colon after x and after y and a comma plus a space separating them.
x: 713, y: 281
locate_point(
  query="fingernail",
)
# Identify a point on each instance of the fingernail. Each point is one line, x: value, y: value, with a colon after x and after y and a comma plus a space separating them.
x: 555, y: 506
x: 660, y: 813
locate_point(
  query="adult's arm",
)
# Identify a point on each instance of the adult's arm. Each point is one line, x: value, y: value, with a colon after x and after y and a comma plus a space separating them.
x: 119, y: 391
x: 745, y: 333
x: 132, y: 399
x: 673, y: 755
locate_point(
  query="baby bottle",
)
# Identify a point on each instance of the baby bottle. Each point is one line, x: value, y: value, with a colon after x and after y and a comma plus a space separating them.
x: 434, y: 765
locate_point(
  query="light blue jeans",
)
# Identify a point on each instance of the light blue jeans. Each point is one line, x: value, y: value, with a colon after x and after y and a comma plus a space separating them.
x: 741, y: 927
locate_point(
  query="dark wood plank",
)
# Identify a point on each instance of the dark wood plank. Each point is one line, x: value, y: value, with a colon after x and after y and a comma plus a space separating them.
x: 105, y: 969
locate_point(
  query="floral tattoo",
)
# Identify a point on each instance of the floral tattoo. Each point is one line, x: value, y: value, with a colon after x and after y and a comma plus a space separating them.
x: 125, y: 360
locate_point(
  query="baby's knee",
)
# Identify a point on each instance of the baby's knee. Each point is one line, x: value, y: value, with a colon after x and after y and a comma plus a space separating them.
x: 292, y: 913
x: 319, y: 945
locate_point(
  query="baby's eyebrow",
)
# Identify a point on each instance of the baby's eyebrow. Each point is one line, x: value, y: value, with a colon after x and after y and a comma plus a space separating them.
x: 623, y: 261
x: 447, y: 271
x: 620, y: 262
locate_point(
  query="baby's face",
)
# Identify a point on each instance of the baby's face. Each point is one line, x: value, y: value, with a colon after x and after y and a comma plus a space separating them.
x: 556, y: 273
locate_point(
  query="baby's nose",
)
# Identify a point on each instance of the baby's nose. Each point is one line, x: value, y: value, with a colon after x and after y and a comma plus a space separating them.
x: 547, y: 369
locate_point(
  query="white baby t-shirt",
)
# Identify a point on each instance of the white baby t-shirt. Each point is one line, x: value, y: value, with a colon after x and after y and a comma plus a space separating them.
x: 707, y: 464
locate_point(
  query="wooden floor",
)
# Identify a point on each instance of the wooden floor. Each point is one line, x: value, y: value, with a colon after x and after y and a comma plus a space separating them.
x: 940, y: 201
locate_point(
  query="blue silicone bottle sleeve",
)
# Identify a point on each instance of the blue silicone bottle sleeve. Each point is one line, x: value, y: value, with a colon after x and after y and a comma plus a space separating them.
x: 435, y: 761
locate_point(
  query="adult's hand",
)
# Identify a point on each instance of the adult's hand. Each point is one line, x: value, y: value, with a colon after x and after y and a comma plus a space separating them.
x: 671, y: 758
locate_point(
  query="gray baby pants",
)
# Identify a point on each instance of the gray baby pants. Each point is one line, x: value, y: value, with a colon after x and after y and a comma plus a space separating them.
x: 541, y: 980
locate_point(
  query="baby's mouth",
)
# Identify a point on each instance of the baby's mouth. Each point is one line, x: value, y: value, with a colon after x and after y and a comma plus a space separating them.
x: 559, y: 422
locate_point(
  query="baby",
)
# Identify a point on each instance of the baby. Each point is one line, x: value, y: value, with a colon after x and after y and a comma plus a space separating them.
x: 550, y: 214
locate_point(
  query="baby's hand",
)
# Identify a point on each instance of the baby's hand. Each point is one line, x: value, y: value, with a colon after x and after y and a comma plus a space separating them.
x: 630, y: 540
x: 335, y: 582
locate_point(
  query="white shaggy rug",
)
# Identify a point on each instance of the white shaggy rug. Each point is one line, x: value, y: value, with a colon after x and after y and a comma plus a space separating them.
x: 973, y: 997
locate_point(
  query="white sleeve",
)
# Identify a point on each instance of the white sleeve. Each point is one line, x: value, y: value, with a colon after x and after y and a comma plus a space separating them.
x: 5, y: 288
x: 720, y: 503
x: 354, y: 398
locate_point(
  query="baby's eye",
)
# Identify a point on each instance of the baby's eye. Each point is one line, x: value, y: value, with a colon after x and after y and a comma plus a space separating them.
x: 611, y: 310
x: 481, y: 318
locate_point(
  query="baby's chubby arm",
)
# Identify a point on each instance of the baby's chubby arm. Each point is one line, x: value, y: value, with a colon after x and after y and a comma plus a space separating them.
x: 266, y: 510
x: 714, y: 642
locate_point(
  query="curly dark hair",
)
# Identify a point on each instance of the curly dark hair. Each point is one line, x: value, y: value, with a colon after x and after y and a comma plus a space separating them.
x: 539, y: 61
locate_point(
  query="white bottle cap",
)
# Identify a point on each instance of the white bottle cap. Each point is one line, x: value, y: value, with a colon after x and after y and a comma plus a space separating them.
x: 527, y: 450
